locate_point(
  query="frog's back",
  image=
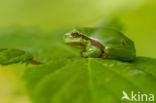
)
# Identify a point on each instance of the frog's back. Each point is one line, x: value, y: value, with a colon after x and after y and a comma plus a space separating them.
x: 117, y: 45
x: 106, y: 36
x: 111, y: 37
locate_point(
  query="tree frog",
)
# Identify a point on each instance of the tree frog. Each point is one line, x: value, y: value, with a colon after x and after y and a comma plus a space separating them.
x: 101, y: 42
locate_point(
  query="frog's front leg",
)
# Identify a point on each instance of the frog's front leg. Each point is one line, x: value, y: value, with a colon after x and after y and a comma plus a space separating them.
x: 104, y: 55
x: 91, y: 51
x: 82, y: 51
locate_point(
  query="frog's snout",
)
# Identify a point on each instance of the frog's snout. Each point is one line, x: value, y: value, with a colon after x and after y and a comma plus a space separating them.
x: 67, y: 38
x: 67, y: 35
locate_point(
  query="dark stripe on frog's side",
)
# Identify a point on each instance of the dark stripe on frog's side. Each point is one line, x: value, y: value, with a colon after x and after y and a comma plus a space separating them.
x: 93, y: 41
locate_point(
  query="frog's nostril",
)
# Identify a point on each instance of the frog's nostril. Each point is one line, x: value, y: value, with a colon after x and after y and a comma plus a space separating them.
x: 67, y: 35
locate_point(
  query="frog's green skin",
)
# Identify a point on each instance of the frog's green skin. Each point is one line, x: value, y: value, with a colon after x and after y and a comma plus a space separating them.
x: 101, y: 42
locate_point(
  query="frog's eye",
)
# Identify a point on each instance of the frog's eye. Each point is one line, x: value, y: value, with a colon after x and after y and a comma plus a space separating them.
x: 75, y: 34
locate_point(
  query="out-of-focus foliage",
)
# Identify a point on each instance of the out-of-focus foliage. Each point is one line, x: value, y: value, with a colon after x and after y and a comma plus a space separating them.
x: 56, y: 14
x: 11, y: 55
x: 112, y: 22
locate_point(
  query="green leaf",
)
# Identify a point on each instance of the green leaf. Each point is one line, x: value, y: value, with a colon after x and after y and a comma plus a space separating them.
x: 90, y: 80
x: 67, y: 78
x: 11, y: 56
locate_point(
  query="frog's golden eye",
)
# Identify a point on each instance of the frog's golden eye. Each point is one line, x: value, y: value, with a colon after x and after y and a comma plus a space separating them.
x: 75, y: 34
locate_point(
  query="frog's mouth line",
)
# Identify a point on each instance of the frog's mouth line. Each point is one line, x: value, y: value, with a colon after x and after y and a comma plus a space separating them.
x: 93, y: 41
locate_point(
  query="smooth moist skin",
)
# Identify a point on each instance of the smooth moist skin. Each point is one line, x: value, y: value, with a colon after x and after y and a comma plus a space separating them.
x: 101, y: 43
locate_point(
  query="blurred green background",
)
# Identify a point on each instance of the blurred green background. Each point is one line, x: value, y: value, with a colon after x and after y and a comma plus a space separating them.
x: 137, y: 16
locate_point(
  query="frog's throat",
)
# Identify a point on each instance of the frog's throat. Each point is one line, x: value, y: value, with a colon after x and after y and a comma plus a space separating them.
x: 93, y: 41
x: 78, y: 45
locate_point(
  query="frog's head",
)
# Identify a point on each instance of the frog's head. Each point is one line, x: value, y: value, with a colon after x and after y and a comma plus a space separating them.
x: 75, y: 39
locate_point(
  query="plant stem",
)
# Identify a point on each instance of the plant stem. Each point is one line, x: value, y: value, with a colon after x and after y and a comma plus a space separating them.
x: 36, y: 62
